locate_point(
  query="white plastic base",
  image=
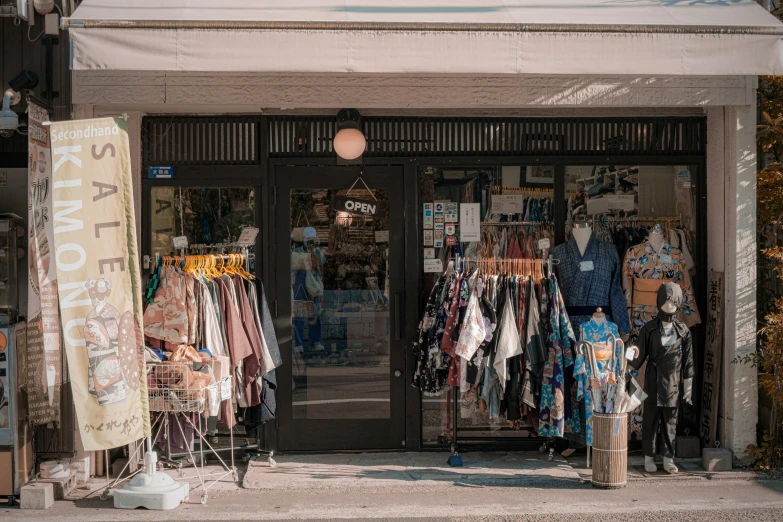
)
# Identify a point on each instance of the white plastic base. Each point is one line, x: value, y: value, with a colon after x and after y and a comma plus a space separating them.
x: 158, y: 491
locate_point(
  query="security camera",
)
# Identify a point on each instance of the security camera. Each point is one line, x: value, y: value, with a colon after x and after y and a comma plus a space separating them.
x: 24, y: 80
x: 9, y: 120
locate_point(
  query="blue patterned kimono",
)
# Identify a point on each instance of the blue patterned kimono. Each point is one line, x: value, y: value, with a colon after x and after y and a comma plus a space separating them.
x: 587, y: 288
x: 555, y: 412
x: 593, y: 332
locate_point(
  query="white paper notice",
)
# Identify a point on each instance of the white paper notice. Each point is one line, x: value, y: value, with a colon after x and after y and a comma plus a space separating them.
x: 179, y: 242
x: 511, y: 204
x: 598, y: 205
x: 621, y: 201
x: 247, y: 237
x: 433, y: 266
x: 381, y: 236
x: 470, y: 222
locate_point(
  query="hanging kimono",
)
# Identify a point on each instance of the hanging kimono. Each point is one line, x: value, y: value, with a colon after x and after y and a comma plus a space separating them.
x: 591, y: 281
x: 643, y: 271
x: 535, y: 352
x: 166, y: 317
x: 474, y: 330
x: 267, y: 328
x: 597, y: 333
x: 508, y: 344
x: 432, y: 364
x: 560, y: 342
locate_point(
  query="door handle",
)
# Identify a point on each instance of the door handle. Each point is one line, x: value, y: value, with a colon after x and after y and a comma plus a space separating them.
x: 397, y: 318
x: 398, y: 373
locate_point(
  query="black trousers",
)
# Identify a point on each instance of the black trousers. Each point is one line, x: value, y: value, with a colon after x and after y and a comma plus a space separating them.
x: 659, y: 429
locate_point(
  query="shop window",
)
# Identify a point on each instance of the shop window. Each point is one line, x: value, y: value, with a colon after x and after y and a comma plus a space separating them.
x: 623, y: 203
x: 205, y: 215
x: 516, y: 213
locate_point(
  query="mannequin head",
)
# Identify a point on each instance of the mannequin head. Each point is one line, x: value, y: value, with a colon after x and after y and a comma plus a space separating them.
x: 669, y: 307
x: 669, y: 300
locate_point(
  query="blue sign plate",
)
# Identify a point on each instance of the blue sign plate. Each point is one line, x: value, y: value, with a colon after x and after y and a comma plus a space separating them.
x: 160, y: 172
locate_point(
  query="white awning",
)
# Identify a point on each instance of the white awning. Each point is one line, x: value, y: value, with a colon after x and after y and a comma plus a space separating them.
x: 537, y: 37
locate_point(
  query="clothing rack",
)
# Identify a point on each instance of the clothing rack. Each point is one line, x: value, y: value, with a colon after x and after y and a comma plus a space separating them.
x: 517, y: 224
x: 183, y: 257
x: 455, y: 459
x: 251, y: 449
x: 616, y: 219
x: 540, y: 192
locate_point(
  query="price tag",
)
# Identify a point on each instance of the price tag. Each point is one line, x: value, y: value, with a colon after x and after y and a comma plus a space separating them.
x: 225, y: 388
x: 381, y: 236
x: 543, y: 244
x: 586, y: 266
x: 433, y: 266
x: 179, y: 242
x: 247, y: 237
x: 630, y: 353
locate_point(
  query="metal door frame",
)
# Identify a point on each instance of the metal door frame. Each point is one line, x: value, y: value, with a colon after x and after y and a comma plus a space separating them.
x: 338, y: 434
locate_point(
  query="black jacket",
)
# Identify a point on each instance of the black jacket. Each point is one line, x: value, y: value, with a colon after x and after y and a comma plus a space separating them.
x: 667, y: 366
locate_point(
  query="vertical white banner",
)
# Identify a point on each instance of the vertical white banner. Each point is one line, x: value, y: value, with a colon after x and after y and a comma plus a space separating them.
x: 98, y: 275
x: 43, y: 325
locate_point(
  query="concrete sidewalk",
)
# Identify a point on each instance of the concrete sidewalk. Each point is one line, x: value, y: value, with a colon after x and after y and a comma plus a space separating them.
x: 421, y: 486
x: 335, y: 471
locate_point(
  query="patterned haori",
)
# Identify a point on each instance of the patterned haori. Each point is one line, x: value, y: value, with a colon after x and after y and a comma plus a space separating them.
x: 643, y: 262
x: 432, y: 366
x: 555, y: 410
x: 594, y: 332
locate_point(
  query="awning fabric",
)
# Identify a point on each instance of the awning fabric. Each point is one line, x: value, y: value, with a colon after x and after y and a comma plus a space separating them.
x: 538, y: 37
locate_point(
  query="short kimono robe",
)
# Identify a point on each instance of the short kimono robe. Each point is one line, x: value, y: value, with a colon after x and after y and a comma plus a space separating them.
x: 591, y: 280
x: 667, y: 366
x: 643, y: 262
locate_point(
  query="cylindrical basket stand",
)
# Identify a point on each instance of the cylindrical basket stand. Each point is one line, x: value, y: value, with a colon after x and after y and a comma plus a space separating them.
x: 610, y: 450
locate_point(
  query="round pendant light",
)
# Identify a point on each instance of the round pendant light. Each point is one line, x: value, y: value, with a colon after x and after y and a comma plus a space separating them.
x: 349, y: 142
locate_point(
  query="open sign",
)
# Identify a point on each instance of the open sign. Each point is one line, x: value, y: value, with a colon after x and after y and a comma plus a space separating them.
x: 359, y: 206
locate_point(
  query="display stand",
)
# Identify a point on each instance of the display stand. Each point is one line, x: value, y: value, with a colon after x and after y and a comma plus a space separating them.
x: 175, y: 393
x: 226, y: 250
x: 455, y: 459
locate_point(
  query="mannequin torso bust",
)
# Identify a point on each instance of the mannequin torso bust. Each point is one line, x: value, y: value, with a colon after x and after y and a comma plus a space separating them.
x: 656, y: 240
x: 582, y: 237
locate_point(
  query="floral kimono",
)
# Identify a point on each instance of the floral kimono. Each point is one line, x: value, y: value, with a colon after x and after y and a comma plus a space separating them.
x: 430, y: 372
x: 668, y: 264
x: 593, y: 332
x: 553, y: 412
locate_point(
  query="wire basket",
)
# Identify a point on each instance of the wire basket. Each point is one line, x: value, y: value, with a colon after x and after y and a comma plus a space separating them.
x: 176, y: 387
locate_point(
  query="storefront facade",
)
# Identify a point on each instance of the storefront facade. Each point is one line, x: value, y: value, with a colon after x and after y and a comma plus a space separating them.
x: 265, y: 138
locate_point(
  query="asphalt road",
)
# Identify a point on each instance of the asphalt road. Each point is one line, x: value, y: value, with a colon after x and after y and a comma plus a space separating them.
x: 709, y: 500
